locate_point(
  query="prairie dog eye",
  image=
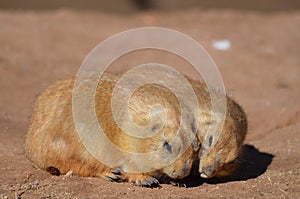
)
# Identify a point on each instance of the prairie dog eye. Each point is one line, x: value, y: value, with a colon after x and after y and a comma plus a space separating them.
x: 210, y: 140
x: 168, y: 146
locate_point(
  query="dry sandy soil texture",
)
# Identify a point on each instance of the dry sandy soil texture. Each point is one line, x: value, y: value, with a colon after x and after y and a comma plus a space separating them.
x: 261, y: 71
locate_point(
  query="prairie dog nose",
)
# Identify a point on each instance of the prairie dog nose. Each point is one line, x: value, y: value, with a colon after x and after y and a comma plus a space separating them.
x: 207, y: 172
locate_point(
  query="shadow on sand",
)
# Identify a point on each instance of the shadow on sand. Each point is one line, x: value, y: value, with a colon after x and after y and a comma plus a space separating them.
x: 254, y: 163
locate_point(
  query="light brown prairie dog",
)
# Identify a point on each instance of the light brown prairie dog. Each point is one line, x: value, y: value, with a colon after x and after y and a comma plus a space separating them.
x: 53, y: 144
x: 222, y: 158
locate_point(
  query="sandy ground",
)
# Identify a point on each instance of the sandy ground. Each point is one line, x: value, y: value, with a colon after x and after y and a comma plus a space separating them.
x: 261, y: 71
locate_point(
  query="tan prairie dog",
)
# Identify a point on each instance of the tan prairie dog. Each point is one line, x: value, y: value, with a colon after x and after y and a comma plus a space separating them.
x: 220, y: 160
x: 53, y: 144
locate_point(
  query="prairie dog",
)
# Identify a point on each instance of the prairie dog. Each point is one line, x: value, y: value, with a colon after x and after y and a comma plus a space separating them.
x: 53, y: 144
x: 222, y: 158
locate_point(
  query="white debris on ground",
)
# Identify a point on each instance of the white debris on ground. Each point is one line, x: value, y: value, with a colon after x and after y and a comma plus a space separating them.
x: 222, y: 45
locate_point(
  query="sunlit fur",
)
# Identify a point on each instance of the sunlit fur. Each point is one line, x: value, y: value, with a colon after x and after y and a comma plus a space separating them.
x: 52, y: 140
x: 221, y: 160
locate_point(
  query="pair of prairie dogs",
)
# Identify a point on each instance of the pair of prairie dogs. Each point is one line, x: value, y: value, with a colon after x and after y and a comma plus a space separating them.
x: 52, y: 142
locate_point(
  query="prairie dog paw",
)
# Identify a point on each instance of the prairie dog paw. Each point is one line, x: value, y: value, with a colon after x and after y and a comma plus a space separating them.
x: 143, y: 180
x: 115, y: 175
x: 147, y: 182
x: 178, y: 184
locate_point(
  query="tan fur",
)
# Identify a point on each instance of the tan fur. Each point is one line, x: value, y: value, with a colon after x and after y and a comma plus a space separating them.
x: 52, y: 141
x: 221, y: 160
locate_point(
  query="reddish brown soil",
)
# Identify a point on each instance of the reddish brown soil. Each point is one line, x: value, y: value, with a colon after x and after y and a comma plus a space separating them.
x: 261, y: 71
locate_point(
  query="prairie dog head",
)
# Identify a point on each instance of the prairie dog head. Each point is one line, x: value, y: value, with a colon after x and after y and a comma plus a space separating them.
x: 172, y: 141
x: 221, y: 159
x: 181, y: 156
x: 218, y: 154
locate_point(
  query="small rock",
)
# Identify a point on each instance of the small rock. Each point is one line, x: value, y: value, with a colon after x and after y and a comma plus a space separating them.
x: 222, y: 45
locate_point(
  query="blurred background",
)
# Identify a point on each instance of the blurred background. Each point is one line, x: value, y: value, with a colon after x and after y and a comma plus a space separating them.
x: 128, y: 6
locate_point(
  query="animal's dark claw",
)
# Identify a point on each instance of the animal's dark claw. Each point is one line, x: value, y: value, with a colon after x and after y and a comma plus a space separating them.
x: 148, y: 182
x: 117, y: 171
x: 115, y: 175
x: 177, y: 184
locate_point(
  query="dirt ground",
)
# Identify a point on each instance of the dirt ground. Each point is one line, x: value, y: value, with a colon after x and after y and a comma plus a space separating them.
x: 261, y: 71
